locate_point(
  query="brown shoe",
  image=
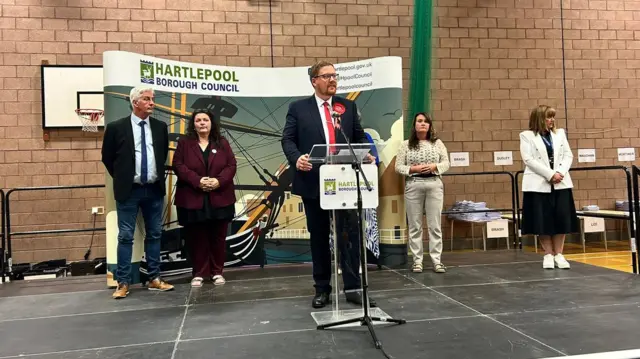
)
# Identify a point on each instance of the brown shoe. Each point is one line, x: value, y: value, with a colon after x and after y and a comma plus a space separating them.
x: 121, y: 292
x: 160, y: 285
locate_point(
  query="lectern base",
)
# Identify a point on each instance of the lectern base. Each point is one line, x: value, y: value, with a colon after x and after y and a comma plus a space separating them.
x: 331, y: 316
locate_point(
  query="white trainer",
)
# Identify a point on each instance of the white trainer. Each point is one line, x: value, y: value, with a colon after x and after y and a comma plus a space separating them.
x: 218, y: 280
x: 547, y: 262
x: 561, y: 262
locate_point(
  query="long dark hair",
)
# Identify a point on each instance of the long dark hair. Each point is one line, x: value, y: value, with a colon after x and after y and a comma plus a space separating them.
x: 214, y: 136
x: 413, y: 137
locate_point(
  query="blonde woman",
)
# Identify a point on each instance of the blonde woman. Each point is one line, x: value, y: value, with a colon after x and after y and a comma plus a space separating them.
x: 548, y: 209
x: 423, y: 159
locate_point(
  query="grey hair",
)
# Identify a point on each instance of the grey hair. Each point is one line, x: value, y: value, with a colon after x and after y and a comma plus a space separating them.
x: 136, y: 93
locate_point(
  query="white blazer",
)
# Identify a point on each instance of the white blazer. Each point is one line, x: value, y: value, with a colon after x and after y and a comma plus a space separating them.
x: 538, y: 172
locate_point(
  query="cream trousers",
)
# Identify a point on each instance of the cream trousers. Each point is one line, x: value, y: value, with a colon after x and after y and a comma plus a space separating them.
x: 424, y: 195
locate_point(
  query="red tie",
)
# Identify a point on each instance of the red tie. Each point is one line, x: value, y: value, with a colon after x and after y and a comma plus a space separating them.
x: 330, y: 129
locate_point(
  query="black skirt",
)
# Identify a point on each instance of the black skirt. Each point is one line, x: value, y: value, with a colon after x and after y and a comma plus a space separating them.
x: 548, y: 214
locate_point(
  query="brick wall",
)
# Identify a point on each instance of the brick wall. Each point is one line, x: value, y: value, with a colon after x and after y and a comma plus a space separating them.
x: 494, y: 60
x: 223, y: 32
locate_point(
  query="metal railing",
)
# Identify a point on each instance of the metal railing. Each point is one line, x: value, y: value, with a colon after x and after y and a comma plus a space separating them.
x: 632, y: 229
x: 3, y: 254
x: 8, y: 234
x: 513, y: 208
x: 633, y: 192
x: 634, y: 212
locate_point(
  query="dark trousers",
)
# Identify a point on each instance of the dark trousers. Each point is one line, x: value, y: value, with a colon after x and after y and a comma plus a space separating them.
x: 207, y: 247
x: 145, y: 199
x: 318, y: 224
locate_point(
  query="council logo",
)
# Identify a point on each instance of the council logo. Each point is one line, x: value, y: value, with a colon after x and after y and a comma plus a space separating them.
x: 146, y: 72
x: 329, y: 186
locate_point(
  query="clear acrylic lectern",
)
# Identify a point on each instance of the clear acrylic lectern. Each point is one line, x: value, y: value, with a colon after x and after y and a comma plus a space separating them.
x: 339, y: 179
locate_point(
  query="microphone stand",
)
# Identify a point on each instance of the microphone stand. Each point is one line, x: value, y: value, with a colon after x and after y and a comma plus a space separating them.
x: 366, y: 319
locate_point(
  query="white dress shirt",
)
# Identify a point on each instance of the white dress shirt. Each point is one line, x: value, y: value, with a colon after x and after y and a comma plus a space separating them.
x: 324, y: 117
x: 137, y: 143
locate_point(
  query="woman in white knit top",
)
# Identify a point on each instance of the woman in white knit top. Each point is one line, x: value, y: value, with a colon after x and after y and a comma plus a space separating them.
x: 423, y: 159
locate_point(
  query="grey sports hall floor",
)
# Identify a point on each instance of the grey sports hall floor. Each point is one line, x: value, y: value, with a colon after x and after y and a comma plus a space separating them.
x: 488, y: 305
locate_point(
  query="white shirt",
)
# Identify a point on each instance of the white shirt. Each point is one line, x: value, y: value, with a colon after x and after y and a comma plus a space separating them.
x: 324, y: 117
x: 137, y: 145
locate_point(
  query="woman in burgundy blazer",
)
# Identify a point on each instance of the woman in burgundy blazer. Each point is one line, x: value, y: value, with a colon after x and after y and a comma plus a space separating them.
x: 205, y: 196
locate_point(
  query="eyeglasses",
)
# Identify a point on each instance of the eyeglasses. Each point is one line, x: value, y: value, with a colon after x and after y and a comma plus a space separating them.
x: 329, y: 76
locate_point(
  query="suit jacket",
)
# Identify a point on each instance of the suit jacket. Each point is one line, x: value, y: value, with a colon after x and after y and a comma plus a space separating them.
x: 189, y: 167
x: 118, y: 155
x: 304, y: 129
x: 538, y: 172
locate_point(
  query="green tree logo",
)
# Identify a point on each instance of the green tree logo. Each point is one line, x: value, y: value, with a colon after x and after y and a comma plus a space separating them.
x: 146, y: 72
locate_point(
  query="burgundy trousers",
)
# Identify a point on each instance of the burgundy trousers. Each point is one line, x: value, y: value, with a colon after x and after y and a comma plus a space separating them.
x: 207, y: 247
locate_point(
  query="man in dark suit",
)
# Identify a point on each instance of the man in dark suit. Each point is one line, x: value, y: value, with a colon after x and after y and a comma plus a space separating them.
x: 134, y: 151
x: 309, y: 122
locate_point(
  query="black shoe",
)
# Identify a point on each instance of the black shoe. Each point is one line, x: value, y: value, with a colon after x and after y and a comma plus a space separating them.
x: 320, y: 300
x: 356, y: 298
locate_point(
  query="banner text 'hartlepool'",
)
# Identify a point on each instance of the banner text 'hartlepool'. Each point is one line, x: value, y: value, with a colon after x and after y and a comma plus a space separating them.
x: 198, y: 74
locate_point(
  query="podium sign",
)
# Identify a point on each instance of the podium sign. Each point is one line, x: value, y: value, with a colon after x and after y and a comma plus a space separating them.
x: 338, y: 187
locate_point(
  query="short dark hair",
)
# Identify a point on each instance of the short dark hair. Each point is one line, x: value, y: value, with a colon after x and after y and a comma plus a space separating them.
x: 315, y: 69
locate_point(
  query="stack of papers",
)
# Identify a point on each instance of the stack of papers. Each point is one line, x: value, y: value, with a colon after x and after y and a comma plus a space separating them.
x: 591, y: 207
x: 468, y: 206
x: 622, y: 206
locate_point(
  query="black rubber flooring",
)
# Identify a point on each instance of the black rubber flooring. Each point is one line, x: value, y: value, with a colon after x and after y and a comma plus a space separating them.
x: 498, y: 304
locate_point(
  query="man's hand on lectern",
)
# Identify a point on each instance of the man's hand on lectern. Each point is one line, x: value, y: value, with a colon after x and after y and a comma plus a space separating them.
x: 303, y: 163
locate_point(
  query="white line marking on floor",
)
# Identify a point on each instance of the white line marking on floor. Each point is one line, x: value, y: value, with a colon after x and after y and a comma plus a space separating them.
x: 488, y: 317
x: 184, y: 318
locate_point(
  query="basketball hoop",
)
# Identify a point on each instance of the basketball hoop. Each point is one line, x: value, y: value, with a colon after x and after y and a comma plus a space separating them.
x: 89, y: 119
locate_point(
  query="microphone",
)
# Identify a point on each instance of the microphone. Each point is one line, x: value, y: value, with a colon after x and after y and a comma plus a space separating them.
x: 336, y: 118
x: 338, y: 110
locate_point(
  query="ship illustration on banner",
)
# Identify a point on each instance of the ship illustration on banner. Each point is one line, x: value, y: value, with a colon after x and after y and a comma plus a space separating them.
x: 270, y: 224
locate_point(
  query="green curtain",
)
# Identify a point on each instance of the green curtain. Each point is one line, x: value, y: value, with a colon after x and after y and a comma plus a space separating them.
x: 420, y: 87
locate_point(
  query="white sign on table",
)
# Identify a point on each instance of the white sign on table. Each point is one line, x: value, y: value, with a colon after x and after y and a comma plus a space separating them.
x: 459, y: 159
x: 587, y: 155
x: 626, y: 154
x: 503, y: 158
x: 498, y: 229
x: 593, y: 225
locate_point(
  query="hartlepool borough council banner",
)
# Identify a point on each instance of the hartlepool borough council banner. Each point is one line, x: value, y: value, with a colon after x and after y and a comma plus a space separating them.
x: 250, y: 105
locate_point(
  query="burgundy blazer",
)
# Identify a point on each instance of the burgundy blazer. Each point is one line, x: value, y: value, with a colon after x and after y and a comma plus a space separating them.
x: 188, y: 165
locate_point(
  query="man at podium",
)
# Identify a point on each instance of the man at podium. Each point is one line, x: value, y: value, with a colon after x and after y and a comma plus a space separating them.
x: 317, y: 120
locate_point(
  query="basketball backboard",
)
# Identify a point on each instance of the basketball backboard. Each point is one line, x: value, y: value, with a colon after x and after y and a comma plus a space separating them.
x: 66, y: 88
